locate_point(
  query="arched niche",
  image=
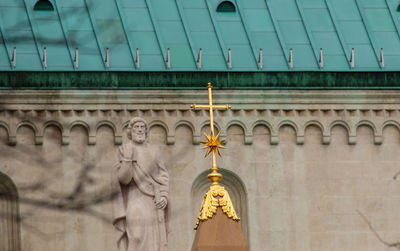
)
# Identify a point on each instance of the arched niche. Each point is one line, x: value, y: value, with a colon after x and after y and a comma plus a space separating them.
x: 235, y: 187
x: 157, y: 135
x: 206, y: 129
x: 26, y: 135
x: 183, y: 135
x: 287, y: 134
x: 235, y: 135
x: 339, y: 134
x: 312, y: 135
x: 105, y: 135
x: 3, y: 136
x: 391, y: 135
x: 52, y: 136
x: 365, y: 134
x: 261, y: 134
x: 105, y: 149
x: 79, y: 135
x: 51, y: 148
x: 9, y: 215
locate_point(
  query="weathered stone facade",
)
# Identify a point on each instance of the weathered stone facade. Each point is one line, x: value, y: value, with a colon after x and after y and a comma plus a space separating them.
x: 302, y: 167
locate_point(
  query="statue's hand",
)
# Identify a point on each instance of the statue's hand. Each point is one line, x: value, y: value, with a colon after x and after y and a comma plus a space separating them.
x: 162, y: 203
x: 128, y: 153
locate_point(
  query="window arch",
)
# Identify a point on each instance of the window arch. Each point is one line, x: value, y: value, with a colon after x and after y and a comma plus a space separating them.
x: 226, y: 6
x: 43, y: 5
x: 9, y: 215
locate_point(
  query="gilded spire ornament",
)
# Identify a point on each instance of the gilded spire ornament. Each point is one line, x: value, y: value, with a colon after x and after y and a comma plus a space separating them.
x: 216, y: 196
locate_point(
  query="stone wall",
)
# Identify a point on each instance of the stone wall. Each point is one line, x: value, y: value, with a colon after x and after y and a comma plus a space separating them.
x: 307, y: 170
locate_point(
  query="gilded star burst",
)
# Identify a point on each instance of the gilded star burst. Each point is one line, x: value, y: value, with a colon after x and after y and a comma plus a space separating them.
x: 212, y: 144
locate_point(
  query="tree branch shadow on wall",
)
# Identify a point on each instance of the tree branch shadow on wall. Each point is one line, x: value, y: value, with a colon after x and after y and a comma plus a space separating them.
x: 82, y: 196
x: 77, y: 199
x: 387, y: 244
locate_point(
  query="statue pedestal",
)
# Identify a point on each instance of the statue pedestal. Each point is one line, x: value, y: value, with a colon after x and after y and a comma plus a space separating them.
x: 219, y: 233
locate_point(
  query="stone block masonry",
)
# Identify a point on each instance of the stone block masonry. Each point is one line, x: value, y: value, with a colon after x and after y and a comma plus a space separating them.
x: 300, y: 166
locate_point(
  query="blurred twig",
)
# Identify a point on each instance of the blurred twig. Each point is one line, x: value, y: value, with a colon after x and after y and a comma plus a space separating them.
x: 390, y: 245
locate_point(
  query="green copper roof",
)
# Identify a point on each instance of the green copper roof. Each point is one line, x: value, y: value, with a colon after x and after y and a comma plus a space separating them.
x: 191, y: 35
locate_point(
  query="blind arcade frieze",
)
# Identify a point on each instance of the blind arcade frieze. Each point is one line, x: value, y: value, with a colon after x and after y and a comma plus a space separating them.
x: 169, y: 120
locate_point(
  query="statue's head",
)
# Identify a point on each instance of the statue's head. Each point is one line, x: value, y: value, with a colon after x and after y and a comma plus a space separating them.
x: 137, y: 130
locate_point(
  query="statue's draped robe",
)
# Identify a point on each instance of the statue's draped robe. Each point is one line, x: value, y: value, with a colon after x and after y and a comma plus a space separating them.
x: 140, y: 225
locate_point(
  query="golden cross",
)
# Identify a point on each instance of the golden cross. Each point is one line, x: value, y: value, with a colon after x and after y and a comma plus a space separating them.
x: 212, y: 143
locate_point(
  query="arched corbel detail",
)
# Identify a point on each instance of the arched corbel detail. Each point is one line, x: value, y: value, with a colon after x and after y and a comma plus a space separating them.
x: 122, y: 128
x: 273, y: 134
x: 390, y: 123
x: 106, y: 123
x: 170, y: 137
x: 377, y: 136
x: 117, y: 139
x: 59, y: 126
x: 222, y: 135
x: 119, y: 131
x: 325, y: 136
x: 248, y: 138
x: 5, y: 126
x: 196, y: 140
x: 92, y: 138
x: 52, y: 123
x: 126, y: 124
x: 299, y: 137
x: 352, y: 137
x: 65, y: 134
x: 38, y: 135
x: 207, y: 123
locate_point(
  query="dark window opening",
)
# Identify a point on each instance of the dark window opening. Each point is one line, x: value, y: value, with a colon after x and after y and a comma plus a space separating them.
x: 43, y: 5
x: 226, y: 6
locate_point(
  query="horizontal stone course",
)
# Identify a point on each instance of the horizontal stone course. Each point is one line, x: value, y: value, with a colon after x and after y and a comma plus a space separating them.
x: 293, y: 176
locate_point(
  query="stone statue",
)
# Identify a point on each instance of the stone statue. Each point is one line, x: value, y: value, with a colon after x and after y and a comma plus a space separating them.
x: 140, y: 181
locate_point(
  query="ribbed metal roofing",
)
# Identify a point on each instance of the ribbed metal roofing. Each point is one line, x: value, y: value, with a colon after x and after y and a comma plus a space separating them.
x: 166, y: 35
